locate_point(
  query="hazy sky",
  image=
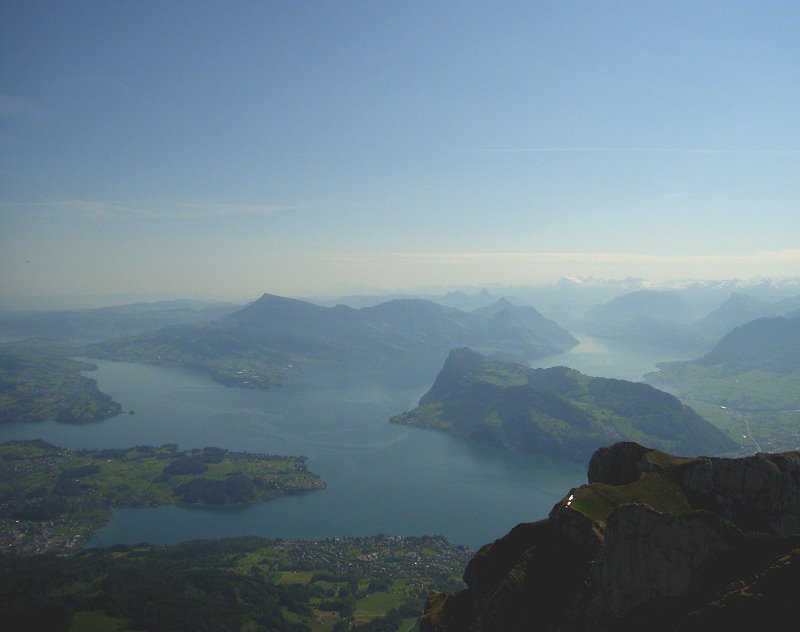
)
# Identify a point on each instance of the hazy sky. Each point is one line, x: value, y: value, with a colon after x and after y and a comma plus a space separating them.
x: 241, y: 147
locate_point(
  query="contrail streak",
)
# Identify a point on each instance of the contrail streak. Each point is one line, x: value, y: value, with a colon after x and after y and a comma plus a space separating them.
x: 651, y: 150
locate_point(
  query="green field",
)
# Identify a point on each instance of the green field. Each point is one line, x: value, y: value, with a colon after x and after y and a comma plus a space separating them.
x: 373, y: 584
x: 377, y: 605
x: 53, y: 499
x: 96, y: 621
x: 760, y: 410
x: 36, y: 385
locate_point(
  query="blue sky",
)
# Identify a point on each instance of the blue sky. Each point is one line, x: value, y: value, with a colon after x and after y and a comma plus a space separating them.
x: 299, y: 147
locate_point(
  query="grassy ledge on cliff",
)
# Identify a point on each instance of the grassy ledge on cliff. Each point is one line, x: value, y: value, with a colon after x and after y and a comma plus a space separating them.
x: 652, y: 542
x: 557, y: 411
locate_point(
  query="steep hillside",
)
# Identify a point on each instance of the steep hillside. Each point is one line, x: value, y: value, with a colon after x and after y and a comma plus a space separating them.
x: 768, y: 344
x: 748, y: 384
x: 522, y: 329
x: 556, y: 411
x: 653, y: 542
x: 737, y: 310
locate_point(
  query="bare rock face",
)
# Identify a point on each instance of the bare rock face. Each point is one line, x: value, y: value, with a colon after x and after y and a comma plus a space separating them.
x: 650, y: 557
x: 618, y: 464
x: 653, y: 542
x: 761, y: 492
x: 771, y: 596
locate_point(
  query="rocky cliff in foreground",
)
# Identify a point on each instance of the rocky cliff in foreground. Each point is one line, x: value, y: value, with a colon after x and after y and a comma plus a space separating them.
x: 653, y: 542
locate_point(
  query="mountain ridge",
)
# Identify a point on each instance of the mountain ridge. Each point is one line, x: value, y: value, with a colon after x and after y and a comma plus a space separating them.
x: 557, y: 411
x: 274, y: 337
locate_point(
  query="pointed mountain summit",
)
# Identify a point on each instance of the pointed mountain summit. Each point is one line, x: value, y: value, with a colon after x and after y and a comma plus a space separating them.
x: 270, y: 307
x: 269, y: 301
x: 526, y: 323
x: 499, y: 305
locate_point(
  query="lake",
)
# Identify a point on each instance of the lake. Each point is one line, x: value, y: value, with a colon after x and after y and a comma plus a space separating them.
x: 382, y: 478
x: 608, y: 358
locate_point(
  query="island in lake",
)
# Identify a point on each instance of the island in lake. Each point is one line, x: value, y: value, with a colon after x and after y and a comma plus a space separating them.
x: 52, y: 499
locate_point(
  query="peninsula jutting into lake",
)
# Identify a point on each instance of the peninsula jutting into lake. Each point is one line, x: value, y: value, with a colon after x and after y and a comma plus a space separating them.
x: 52, y: 499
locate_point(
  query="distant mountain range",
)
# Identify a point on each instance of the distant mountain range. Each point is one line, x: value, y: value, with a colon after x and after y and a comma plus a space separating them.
x: 767, y: 288
x: 274, y: 337
x: 556, y: 411
x: 672, y: 319
x: 743, y: 308
x: 569, y: 299
x: 102, y: 323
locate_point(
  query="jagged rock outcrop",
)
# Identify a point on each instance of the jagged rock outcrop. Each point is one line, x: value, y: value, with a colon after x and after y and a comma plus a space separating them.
x: 619, y: 464
x: 760, y: 492
x: 653, y: 542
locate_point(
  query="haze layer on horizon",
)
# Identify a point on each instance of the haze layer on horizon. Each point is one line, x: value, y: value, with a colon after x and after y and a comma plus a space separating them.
x: 191, y: 147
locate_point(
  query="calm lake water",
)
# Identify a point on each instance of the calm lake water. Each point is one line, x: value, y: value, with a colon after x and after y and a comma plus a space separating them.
x: 382, y: 478
x: 605, y: 358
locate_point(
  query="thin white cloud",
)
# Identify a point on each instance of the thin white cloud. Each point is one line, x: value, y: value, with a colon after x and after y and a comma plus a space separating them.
x: 407, y: 269
x: 788, y: 256
x: 147, y: 209
x: 652, y: 150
